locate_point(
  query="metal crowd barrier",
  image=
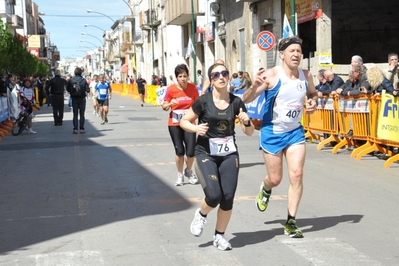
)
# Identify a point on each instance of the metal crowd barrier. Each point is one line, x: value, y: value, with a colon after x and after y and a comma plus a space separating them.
x: 336, y: 116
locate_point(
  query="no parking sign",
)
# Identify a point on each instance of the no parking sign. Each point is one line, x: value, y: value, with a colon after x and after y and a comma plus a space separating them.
x: 265, y: 40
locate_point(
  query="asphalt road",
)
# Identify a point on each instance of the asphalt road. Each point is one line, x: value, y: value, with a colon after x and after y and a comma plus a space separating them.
x: 108, y: 198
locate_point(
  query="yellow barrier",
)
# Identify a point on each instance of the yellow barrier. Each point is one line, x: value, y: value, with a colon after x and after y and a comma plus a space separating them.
x: 323, y: 120
x: 130, y: 90
x: 359, y: 114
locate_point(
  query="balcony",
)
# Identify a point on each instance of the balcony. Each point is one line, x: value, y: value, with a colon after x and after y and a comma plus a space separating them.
x: 15, y: 22
x: 148, y: 18
x: 178, y: 13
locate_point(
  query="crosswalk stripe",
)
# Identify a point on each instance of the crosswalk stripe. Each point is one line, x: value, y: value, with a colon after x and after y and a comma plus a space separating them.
x: 328, y: 251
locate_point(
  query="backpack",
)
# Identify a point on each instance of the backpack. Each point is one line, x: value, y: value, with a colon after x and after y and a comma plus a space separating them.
x: 76, y: 89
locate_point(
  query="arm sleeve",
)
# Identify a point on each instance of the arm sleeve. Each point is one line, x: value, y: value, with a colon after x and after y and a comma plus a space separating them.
x: 198, y: 105
x: 337, y: 83
x: 241, y: 104
x: 387, y: 85
x: 47, y: 88
x: 68, y: 86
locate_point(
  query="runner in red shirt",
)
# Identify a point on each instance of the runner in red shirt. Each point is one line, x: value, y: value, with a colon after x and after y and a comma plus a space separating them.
x: 178, y: 99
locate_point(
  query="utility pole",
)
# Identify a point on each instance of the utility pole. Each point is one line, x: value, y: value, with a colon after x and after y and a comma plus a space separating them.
x: 152, y: 39
x: 293, y: 22
x: 193, y: 42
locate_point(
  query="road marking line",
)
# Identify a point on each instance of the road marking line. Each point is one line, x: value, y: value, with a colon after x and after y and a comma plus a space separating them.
x: 196, y: 200
x: 44, y: 217
x: 328, y: 251
x: 76, y: 258
x: 142, y: 145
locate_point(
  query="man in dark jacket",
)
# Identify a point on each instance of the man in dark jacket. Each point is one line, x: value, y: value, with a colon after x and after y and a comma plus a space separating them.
x: 78, y: 101
x: 55, y: 88
x: 3, y: 87
x: 323, y: 88
x: 333, y: 80
x: 40, y: 89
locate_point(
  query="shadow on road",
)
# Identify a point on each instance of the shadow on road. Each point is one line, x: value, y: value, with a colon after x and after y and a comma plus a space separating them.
x: 55, y: 183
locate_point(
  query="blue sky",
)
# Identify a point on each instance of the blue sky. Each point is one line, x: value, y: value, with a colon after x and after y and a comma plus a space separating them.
x: 65, y: 19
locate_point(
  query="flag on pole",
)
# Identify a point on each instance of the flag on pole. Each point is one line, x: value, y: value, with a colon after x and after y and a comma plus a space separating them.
x: 190, y: 48
x: 287, y: 31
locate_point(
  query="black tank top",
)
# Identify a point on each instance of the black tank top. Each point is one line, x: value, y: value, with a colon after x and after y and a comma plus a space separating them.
x: 221, y: 122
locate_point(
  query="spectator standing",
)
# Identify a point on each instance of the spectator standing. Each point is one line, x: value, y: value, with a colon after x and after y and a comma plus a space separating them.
x: 40, y: 89
x: 48, y: 99
x: 56, y: 89
x: 171, y: 81
x: 200, y: 80
x: 163, y: 80
x: 178, y: 99
x: 392, y: 72
x: 155, y: 80
x: 246, y: 81
x: 10, y: 82
x: 141, y: 86
x: 221, y: 164
x: 285, y: 88
x: 3, y: 88
x: 236, y: 82
x: 78, y: 101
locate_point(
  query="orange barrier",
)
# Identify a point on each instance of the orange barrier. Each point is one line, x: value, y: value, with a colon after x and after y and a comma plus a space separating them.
x: 374, y: 143
x: 131, y: 90
x: 324, y: 120
x: 359, y: 114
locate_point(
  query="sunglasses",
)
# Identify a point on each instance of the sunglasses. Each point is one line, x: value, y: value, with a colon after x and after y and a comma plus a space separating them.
x: 216, y: 75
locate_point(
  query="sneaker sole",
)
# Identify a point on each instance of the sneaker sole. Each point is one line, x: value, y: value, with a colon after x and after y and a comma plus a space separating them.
x: 219, y: 248
x: 297, y: 235
x: 193, y: 182
x: 256, y: 200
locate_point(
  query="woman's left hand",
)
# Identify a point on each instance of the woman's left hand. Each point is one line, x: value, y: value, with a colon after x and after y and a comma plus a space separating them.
x: 244, y: 117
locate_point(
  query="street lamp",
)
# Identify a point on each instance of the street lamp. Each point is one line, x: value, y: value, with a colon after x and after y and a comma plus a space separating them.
x: 119, y: 41
x: 92, y: 11
x: 85, y: 47
x: 90, y: 43
x: 84, y: 33
x: 89, y: 25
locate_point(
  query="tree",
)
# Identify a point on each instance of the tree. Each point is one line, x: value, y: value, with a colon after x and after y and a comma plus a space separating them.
x: 15, y: 57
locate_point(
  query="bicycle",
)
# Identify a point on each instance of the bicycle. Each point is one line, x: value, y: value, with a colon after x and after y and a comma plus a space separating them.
x: 22, y: 122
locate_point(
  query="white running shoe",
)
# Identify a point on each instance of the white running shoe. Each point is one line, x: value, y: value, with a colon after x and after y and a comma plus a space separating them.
x: 31, y: 131
x: 193, y: 179
x: 197, y: 225
x: 180, y: 180
x: 94, y: 112
x: 221, y: 242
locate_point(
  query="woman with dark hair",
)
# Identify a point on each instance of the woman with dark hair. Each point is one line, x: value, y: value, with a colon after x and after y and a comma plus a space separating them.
x: 178, y: 99
x: 217, y: 160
